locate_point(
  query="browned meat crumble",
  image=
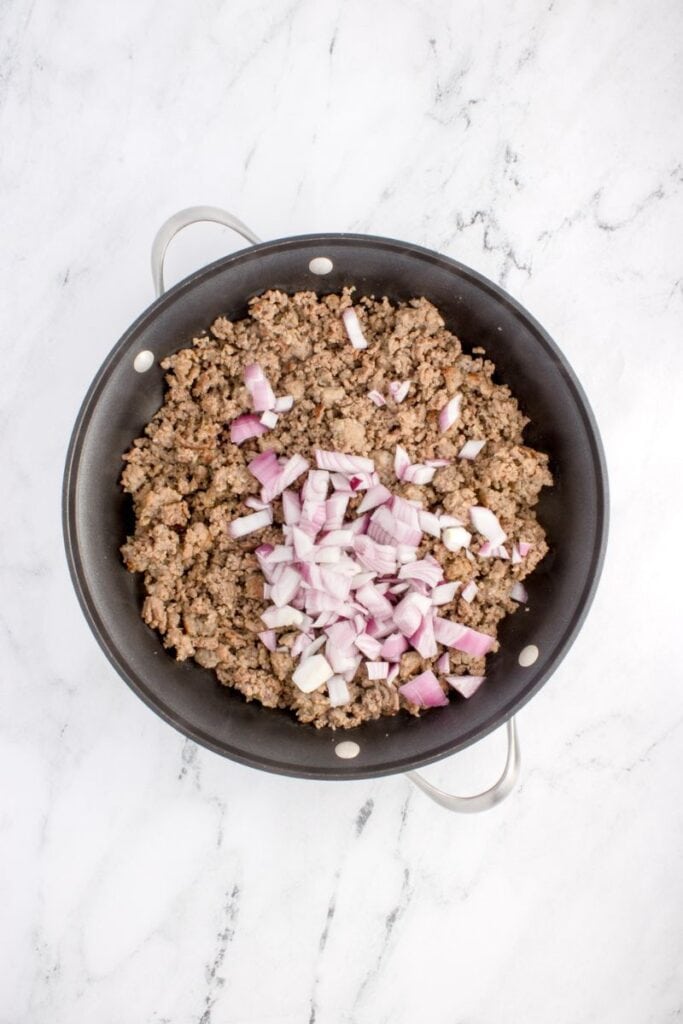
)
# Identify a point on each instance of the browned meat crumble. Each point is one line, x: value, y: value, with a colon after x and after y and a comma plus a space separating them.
x: 188, y: 481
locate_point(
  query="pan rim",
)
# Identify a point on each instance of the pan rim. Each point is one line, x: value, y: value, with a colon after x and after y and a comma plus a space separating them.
x: 349, y: 771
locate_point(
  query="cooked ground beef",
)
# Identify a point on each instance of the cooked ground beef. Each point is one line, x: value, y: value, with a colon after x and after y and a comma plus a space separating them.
x: 188, y: 481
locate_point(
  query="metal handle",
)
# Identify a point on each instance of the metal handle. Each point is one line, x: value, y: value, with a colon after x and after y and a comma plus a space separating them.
x: 480, y: 801
x: 183, y: 219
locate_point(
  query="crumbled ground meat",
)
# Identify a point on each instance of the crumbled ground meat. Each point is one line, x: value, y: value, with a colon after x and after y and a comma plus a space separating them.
x: 188, y: 481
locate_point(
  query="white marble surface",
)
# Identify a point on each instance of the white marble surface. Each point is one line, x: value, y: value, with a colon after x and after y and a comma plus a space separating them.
x: 145, y: 880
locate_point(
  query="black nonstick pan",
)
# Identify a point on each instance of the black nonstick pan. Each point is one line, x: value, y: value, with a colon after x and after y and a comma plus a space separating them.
x: 128, y: 390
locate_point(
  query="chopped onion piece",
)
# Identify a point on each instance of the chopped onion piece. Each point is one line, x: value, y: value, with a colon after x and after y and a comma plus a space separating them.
x: 409, y: 611
x: 519, y: 593
x: 399, y: 390
x: 450, y: 413
x: 286, y: 587
x: 421, y: 570
x: 445, y: 592
x: 255, y: 503
x: 379, y: 557
x: 269, y: 419
x: 424, y: 690
x: 378, y: 606
x: 269, y: 639
x: 462, y: 638
x: 446, y: 521
x: 443, y: 663
x: 244, y: 525
x: 394, y: 646
x: 486, y: 523
x: 262, y: 397
x: 471, y: 449
x: 245, y: 427
x: 524, y: 548
x: 340, y: 462
x: 264, y: 466
x: 469, y: 592
x: 287, y: 616
x: 335, y: 510
x: 284, y: 403
x: 377, y: 669
x: 455, y: 537
x: 374, y: 496
x: 429, y: 523
x: 377, y: 398
x: 401, y: 461
x: 368, y: 645
x: 466, y: 685
x: 419, y: 474
x: 291, y: 507
x: 286, y: 475
x: 423, y: 639
x: 338, y: 691
x: 312, y: 673
x: 353, y: 328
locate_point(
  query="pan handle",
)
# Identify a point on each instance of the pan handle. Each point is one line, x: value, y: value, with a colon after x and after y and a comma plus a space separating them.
x: 480, y: 801
x: 183, y: 219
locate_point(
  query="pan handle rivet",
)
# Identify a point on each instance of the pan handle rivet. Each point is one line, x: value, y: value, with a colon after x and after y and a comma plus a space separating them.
x: 528, y: 655
x: 347, y: 749
x: 143, y: 361
x: 320, y: 265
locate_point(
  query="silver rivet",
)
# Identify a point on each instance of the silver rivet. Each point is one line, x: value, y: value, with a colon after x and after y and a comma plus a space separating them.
x: 528, y: 655
x: 143, y: 361
x: 320, y: 265
x: 347, y: 749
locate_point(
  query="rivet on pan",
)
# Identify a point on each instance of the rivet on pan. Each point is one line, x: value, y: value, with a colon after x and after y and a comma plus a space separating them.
x: 347, y: 749
x: 528, y: 655
x: 143, y: 361
x: 320, y: 265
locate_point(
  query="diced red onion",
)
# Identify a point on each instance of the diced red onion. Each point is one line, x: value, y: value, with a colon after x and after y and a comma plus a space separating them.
x: 268, y: 638
x: 312, y: 673
x: 524, y: 548
x: 264, y: 466
x: 429, y: 523
x: 469, y: 592
x: 443, y: 663
x: 262, y: 397
x: 377, y: 669
x: 423, y: 639
x: 274, y: 618
x: 338, y: 691
x: 340, y: 462
x: 244, y: 525
x: 269, y: 419
x: 399, y: 390
x: 401, y: 461
x: 255, y: 503
x: 291, y: 507
x: 462, y: 638
x: 244, y: 427
x: 421, y: 570
x: 368, y: 645
x: 284, y: 403
x: 455, y: 537
x: 424, y: 690
x: 335, y: 510
x: 315, y: 485
x: 519, y: 593
x: 327, y: 556
x: 419, y: 474
x: 393, y: 672
x: 471, y: 449
x: 394, y: 646
x: 445, y: 592
x: 486, y: 523
x: 286, y: 587
x: 293, y: 468
x: 446, y: 521
x: 450, y: 413
x: 378, y: 606
x: 437, y: 463
x: 466, y: 685
x: 409, y: 611
x: 374, y: 496
x: 378, y: 557
x: 358, y: 526
x: 377, y: 398
x: 353, y: 328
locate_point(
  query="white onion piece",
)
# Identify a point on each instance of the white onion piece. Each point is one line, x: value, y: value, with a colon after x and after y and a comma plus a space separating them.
x: 255, y: 503
x: 377, y: 669
x: 519, y: 593
x: 291, y: 507
x: 429, y: 523
x: 353, y: 328
x: 341, y: 462
x: 310, y: 649
x: 445, y: 520
x: 486, y: 523
x: 327, y: 556
x: 312, y: 673
x: 284, y: 403
x: 260, y: 391
x: 515, y: 557
x: 274, y: 618
x: 244, y: 525
x: 419, y: 474
x: 401, y: 461
x: 445, y: 592
x: 455, y: 537
x: 471, y: 449
x: 450, y: 413
x: 337, y: 538
x: 338, y: 691
x: 377, y: 398
x: 466, y: 685
x: 269, y: 639
x: 399, y: 390
x: 269, y: 419
x: 469, y: 592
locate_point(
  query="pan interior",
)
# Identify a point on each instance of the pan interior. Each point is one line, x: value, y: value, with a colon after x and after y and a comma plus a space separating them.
x: 122, y: 399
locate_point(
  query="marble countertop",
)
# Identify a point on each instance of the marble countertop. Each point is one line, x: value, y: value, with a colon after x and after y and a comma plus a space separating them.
x: 146, y: 880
